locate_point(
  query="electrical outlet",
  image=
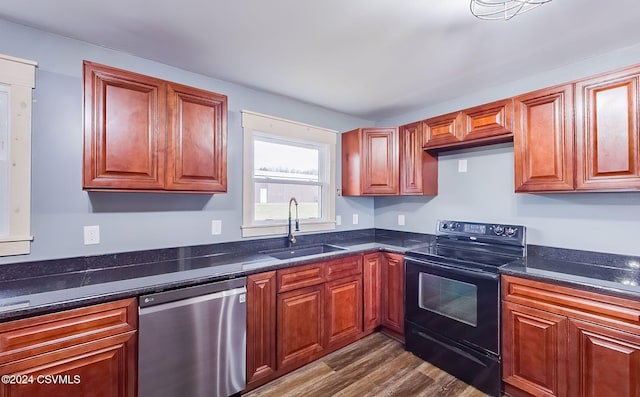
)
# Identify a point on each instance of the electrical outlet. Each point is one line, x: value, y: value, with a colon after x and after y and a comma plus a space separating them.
x: 355, y: 219
x: 400, y: 220
x: 338, y: 220
x: 216, y: 227
x: 91, y: 235
x: 462, y: 165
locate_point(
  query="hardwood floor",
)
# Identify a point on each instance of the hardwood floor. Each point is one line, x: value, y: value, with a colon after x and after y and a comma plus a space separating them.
x: 374, y: 366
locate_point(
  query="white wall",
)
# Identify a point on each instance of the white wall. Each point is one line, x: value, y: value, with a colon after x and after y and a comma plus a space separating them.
x: 133, y: 221
x: 608, y: 222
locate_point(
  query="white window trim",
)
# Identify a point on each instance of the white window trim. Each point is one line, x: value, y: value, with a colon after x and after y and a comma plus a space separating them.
x: 255, y: 123
x: 19, y: 75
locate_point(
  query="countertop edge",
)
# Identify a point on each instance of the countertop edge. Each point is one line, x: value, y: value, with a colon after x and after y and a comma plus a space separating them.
x: 567, y: 280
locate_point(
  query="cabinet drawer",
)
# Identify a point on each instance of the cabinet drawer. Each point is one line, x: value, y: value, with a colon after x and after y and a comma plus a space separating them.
x: 616, y: 312
x: 32, y: 336
x: 343, y: 267
x: 300, y: 276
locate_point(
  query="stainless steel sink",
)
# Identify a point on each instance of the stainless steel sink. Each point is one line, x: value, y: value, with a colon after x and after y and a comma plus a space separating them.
x: 295, y: 252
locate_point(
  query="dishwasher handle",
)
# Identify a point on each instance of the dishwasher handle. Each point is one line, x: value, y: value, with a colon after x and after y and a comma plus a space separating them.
x: 191, y: 292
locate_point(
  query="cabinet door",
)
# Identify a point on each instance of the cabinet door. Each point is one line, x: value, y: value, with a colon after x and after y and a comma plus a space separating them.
x: 380, y: 161
x: 607, y: 149
x: 534, y: 350
x: 418, y: 169
x: 124, y: 129
x: 488, y: 121
x: 372, y: 278
x: 343, y: 310
x: 300, y: 332
x: 442, y: 130
x: 197, y: 140
x: 103, y: 368
x: 605, y: 361
x: 261, y: 326
x: 393, y: 292
x: 543, y: 140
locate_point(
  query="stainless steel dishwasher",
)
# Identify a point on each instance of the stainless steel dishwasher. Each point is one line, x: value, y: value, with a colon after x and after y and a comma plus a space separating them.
x: 192, y: 341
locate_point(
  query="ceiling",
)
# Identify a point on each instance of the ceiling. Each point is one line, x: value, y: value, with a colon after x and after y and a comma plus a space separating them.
x: 368, y: 58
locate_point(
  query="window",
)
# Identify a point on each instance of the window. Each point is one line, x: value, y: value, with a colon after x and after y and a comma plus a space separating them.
x: 285, y: 159
x: 17, y: 78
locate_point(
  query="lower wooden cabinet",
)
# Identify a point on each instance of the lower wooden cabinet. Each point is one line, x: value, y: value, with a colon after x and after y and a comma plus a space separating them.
x: 261, y: 326
x: 560, y: 341
x: 298, y: 314
x: 371, y: 291
x: 607, y: 361
x: 343, y: 310
x: 392, y: 273
x: 89, y: 352
x: 534, y: 350
x: 300, y: 325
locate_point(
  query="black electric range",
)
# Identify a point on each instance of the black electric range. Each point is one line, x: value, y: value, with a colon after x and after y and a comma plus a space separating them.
x: 452, y: 299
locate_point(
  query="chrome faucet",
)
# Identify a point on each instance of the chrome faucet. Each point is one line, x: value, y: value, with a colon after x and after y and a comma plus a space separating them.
x: 290, y: 236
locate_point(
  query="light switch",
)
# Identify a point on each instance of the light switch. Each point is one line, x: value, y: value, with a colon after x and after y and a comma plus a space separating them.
x: 216, y: 227
x: 338, y: 220
x: 400, y: 220
x: 355, y: 219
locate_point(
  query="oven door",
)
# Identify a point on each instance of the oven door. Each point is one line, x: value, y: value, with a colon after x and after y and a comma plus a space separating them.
x: 459, y: 304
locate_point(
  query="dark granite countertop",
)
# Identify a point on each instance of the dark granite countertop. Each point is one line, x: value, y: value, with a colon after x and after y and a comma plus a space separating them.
x: 32, y: 288
x: 610, y: 274
x: 42, y: 287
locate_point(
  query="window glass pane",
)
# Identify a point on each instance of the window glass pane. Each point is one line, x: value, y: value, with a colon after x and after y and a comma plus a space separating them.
x: 4, y: 160
x: 271, y: 201
x: 283, y: 161
x: 451, y: 298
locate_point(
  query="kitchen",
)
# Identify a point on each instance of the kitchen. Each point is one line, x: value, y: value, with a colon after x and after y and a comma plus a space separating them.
x: 137, y: 221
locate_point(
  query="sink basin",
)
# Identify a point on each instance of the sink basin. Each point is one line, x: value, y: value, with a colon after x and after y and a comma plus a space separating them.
x: 295, y: 252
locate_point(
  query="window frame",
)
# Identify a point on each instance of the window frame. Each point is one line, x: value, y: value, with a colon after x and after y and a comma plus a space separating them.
x: 19, y: 75
x: 298, y: 134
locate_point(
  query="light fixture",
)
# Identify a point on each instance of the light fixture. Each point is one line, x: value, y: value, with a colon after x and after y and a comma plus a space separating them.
x: 502, y: 9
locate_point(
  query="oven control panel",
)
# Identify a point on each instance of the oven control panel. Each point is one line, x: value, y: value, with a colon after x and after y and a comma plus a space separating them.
x: 474, y: 230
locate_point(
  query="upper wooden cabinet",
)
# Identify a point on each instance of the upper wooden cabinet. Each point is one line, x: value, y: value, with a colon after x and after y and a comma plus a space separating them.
x: 543, y: 140
x: 370, y: 162
x: 418, y: 168
x: 387, y: 161
x: 442, y: 130
x: 147, y: 134
x: 489, y: 123
x: 582, y: 136
x: 607, y: 135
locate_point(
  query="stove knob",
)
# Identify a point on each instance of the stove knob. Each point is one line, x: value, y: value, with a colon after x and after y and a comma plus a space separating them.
x: 498, y: 230
x: 510, y: 231
x: 453, y: 226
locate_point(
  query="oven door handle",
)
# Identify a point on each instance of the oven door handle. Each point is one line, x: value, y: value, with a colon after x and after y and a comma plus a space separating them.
x: 454, y: 270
